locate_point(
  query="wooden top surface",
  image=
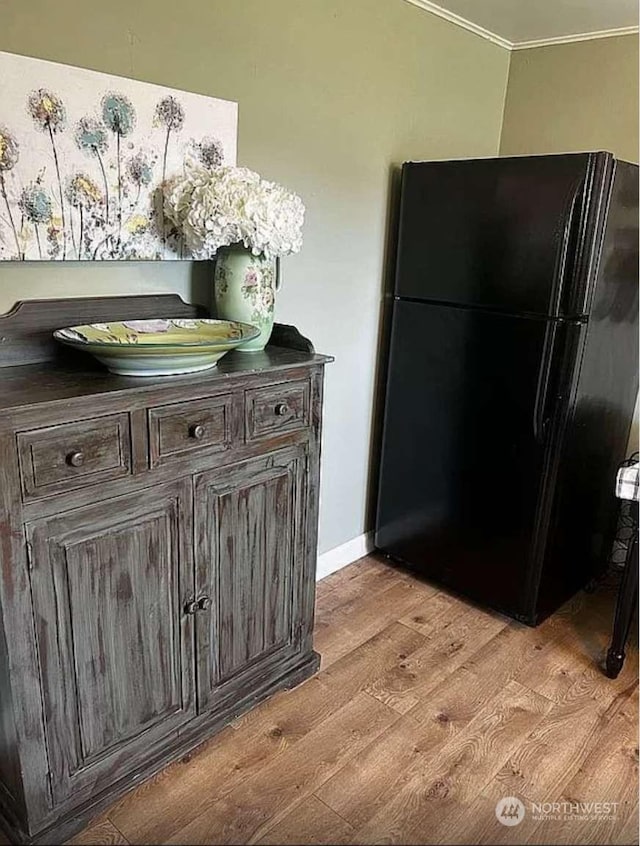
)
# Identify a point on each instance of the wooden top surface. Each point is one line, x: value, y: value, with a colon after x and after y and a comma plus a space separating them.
x: 36, y: 369
x: 33, y: 384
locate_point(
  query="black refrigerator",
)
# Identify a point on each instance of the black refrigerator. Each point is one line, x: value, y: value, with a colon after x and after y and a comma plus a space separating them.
x: 512, y: 374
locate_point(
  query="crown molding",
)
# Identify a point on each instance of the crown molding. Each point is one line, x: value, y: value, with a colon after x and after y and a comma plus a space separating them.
x: 571, y: 39
x: 463, y: 22
x: 470, y: 26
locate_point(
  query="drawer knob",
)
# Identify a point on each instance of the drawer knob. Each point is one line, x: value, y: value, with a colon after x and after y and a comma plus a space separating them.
x: 281, y: 409
x: 198, y: 432
x: 75, y: 459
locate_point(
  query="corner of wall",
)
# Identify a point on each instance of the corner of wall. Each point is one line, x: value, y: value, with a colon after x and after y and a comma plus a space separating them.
x: 505, y: 94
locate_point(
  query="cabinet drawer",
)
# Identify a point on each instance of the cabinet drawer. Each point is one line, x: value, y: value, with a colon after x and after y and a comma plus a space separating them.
x: 73, y: 455
x: 276, y: 410
x: 195, y: 425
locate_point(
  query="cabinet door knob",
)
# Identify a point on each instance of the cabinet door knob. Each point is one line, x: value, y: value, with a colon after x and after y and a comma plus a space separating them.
x: 191, y: 607
x: 198, y: 432
x: 281, y: 409
x: 75, y: 459
x: 204, y: 603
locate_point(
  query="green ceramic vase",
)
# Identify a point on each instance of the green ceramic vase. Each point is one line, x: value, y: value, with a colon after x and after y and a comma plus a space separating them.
x: 245, y: 289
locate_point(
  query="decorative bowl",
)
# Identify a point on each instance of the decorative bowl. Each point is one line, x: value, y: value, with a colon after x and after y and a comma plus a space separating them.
x: 158, y: 347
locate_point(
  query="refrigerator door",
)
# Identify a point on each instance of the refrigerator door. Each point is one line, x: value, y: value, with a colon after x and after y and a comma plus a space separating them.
x: 493, y: 233
x: 466, y: 446
x: 601, y: 399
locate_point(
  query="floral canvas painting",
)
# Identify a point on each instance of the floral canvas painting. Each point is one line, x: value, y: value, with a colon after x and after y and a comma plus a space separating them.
x: 84, y: 156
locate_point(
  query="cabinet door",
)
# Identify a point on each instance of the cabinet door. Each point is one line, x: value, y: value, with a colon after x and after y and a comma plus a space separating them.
x: 250, y: 562
x: 109, y: 583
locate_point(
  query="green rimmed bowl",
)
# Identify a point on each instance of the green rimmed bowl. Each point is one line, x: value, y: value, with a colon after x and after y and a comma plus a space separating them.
x: 158, y: 347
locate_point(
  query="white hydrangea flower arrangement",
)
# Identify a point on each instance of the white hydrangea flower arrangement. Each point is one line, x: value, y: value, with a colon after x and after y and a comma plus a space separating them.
x: 223, y: 206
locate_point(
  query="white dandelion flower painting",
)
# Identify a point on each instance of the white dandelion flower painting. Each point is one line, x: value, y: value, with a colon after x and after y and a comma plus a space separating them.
x: 84, y: 157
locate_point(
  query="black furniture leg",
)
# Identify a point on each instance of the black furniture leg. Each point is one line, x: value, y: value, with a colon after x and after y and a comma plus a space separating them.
x: 627, y: 597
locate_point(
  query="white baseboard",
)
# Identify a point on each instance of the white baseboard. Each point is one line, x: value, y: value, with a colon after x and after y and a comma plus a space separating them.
x: 338, y: 557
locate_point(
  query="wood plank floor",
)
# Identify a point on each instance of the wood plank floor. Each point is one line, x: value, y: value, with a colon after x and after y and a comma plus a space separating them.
x: 426, y: 712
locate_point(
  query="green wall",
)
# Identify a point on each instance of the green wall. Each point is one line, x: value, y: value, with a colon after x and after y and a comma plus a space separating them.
x: 572, y: 97
x: 332, y: 94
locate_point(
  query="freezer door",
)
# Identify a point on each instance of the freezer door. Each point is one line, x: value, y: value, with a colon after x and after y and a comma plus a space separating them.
x: 494, y: 233
x: 465, y: 447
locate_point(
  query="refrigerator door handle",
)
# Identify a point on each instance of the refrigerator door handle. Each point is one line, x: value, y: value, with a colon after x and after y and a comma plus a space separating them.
x: 563, y: 265
x: 559, y: 355
x: 544, y: 378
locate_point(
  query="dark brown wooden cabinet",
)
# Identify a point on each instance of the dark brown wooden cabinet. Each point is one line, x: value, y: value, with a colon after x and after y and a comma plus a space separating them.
x: 159, y: 584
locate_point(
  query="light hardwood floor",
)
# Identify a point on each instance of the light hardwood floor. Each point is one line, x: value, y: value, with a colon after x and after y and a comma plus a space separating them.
x: 426, y: 712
